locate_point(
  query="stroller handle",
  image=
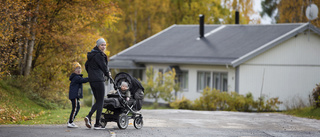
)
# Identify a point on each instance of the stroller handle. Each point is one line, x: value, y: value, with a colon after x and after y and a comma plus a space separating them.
x: 115, y: 87
x: 111, y: 80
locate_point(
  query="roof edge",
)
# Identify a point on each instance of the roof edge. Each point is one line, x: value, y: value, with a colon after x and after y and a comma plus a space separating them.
x: 270, y: 44
x: 135, y: 45
x: 314, y: 28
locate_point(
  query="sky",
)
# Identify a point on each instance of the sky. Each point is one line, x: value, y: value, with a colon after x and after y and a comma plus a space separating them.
x: 257, y: 7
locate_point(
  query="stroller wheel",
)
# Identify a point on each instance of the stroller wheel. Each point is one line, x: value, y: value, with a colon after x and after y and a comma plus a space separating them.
x: 123, y: 121
x: 103, y: 121
x: 138, y: 122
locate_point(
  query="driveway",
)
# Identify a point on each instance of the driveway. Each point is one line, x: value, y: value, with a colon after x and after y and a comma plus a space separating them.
x: 180, y: 123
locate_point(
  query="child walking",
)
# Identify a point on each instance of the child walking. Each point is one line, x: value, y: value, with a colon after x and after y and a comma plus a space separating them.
x: 75, y: 92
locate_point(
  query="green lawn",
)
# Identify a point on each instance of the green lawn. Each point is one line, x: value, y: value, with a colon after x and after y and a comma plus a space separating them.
x: 59, y: 116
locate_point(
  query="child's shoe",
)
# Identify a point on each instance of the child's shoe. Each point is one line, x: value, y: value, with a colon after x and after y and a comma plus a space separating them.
x: 72, y: 125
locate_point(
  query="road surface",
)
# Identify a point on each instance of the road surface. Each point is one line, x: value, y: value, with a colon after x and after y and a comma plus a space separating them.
x: 182, y: 123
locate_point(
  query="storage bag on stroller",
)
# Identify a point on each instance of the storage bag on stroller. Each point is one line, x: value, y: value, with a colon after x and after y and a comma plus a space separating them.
x: 111, y: 103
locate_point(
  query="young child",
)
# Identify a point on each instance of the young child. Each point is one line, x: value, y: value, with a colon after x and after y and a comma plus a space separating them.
x: 75, y: 92
x: 124, y: 88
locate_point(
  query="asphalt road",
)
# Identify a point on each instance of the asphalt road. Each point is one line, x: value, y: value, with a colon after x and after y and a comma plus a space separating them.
x: 181, y: 123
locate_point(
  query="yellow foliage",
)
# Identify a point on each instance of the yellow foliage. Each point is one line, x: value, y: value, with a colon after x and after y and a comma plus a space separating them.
x: 63, y: 32
x: 295, y: 12
x: 182, y: 103
x: 160, y: 85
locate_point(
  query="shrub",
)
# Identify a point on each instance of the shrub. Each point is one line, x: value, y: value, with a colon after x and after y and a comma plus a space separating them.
x: 235, y: 102
x: 271, y: 104
x: 213, y: 99
x: 181, y: 104
x: 249, y: 103
x: 210, y: 100
x: 316, y: 96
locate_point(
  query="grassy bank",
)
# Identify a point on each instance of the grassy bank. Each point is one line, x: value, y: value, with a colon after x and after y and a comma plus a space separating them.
x: 15, y: 106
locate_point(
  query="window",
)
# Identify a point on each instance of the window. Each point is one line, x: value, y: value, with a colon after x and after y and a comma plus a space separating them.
x: 203, y: 80
x: 183, y: 80
x: 219, y: 81
x: 216, y: 81
x: 137, y: 74
x: 224, y: 82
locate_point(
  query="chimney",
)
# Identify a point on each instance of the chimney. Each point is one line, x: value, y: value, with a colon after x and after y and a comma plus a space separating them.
x: 201, y: 22
x: 237, y: 17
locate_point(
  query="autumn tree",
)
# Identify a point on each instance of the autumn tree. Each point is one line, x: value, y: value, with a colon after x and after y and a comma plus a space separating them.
x: 295, y: 12
x: 11, y: 20
x: 288, y: 11
x: 140, y: 20
x: 187, y: 12
x: 39, y: 38
x: 144, y: 18
x: 245, y: 8
x: 160, y: 85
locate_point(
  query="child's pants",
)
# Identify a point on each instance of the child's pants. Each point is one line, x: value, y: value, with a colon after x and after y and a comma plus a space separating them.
x: 75, y: 109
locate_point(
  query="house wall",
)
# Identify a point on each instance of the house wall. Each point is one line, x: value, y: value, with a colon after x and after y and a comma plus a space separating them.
x: 192, y: 92
x: 289, y: 71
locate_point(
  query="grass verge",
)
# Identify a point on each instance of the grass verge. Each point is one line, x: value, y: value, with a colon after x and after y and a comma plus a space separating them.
x: 308, y: 112
x: 58, y: 116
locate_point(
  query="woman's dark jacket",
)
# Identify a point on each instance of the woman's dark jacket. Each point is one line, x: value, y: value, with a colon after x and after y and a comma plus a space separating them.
x: 97, y: 65
x: 75, y: 90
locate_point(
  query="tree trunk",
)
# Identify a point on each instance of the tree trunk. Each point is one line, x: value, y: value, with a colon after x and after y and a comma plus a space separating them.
x: 29, y: 54
x: 26, y: 45
x: 135, y: 27
x: 156, y: 104
x: 31, y: 42
x: 22, y: 56
x: 149, y: 27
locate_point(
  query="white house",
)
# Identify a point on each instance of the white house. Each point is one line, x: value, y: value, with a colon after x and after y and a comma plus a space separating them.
x: 278, y: 60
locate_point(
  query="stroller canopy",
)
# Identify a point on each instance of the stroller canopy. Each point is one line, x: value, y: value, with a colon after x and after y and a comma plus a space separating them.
x: 134, y: 84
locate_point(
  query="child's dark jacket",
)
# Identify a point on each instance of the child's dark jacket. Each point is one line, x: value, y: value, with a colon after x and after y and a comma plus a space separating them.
x: 76, y: 90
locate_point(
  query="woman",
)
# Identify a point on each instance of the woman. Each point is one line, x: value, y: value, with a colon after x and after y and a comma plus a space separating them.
x: 97, y: 68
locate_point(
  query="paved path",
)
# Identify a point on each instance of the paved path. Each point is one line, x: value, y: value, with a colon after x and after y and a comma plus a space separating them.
x: 181, y: 123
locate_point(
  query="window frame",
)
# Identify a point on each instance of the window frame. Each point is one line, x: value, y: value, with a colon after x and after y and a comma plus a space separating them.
x: 204, y: 84
x: 218, y: 81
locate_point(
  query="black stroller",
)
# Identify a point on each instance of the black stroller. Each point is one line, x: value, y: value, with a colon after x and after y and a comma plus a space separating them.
x: 118, y: 109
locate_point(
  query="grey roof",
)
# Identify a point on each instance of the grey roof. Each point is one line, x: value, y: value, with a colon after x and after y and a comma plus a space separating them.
x: 125, y: 64
x: 222, y: 44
